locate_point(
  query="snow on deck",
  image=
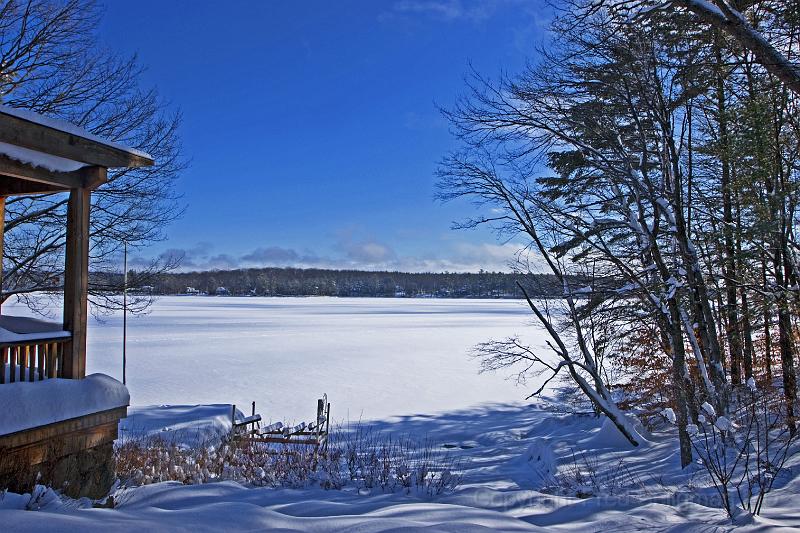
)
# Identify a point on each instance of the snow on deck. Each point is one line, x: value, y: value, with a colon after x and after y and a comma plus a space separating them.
x: 22, y: 329
x: 29, y: 405
x: 7, y: 335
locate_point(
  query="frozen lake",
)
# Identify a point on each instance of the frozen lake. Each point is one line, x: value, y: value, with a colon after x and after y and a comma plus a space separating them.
x: 374, y: 357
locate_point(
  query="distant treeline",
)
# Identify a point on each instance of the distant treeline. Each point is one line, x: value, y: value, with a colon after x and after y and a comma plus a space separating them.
x: 320, y: 282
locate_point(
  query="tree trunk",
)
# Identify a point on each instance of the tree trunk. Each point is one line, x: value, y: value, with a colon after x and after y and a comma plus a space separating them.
x: 730, y: 272
x: 681, y: 385
x: 747, y: 325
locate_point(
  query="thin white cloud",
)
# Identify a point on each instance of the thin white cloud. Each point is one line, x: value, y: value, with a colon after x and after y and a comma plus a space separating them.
x: 353, y: 248
x: 353, y: 254
x: 448, y: 10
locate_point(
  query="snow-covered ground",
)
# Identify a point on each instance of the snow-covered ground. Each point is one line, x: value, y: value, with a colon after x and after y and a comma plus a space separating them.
x: 184, y: 425
x: 374, y: 357
x: 402, y: 365
x: 509, y: 455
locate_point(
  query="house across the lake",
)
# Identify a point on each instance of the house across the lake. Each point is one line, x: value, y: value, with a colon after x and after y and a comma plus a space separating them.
x: 57, y: 426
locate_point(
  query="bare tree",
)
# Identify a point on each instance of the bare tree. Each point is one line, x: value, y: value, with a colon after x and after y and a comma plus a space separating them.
x: 605, y: 110
x: 51, y: 63
x: 460, y: 177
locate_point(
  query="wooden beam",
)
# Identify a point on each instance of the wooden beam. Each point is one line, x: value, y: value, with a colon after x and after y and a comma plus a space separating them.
x: 45, y: 340
x: 17, y: 187
x: 2, y: 237
x: 93, y: 177
x: 76, y: 282
x: 19, y: 178
x: 35, y: 136
x: 27, y: 437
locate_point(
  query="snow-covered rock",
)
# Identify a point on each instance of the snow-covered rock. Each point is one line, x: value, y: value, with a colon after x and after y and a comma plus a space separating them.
x: 609, y: 436
x: 541, y: 460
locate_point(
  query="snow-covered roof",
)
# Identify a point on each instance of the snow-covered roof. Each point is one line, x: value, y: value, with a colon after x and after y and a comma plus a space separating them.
x: 40, y: 159
x: 52, y: 145
x: 67, y: 127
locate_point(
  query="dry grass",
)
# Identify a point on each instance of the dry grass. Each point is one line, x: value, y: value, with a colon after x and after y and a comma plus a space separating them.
x: 359, y: 458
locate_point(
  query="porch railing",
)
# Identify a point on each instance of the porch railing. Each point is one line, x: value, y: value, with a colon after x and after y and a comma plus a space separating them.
x: 33, y: 360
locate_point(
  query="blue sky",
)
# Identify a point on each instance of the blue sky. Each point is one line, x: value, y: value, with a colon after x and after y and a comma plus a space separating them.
x: 312, y: 127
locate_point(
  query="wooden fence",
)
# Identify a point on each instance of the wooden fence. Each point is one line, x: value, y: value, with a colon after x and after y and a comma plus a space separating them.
x: 34, y: 360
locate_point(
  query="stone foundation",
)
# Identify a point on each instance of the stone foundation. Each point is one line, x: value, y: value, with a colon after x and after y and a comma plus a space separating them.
x: 88, y: 473
x: 75, y: 456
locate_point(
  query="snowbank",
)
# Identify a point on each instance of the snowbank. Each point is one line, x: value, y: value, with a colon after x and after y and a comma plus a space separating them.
x: 541, y: 460
x: 27, y: 405
x: 187, y: 425
x: 608, y: 436
x: 231, y: 507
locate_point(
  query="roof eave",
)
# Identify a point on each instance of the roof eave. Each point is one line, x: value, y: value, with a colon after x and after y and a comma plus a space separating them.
x: 43, y: 138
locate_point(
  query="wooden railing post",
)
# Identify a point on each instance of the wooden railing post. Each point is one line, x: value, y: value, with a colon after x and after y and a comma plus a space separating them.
x: 76, y: 283
x: 2, y: 240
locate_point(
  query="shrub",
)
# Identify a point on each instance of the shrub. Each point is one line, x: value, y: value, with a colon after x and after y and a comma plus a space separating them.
x: 360, y: 458
x: 744, y: 451
x: 583, y: 477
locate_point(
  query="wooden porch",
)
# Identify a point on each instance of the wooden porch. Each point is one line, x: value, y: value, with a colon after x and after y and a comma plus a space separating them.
x: 43, y: 156
x: 39, y: 155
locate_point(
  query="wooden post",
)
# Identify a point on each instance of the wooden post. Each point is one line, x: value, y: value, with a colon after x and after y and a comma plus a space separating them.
x: 12, y: 362
x: 76, y: 283
x: 30, y: 358
x: 52, y: 361
x: 2, y: 235
x: 40, y: 353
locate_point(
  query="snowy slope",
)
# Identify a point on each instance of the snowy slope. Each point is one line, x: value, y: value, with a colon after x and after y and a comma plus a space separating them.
x: 508, y: 452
